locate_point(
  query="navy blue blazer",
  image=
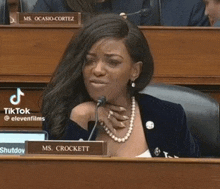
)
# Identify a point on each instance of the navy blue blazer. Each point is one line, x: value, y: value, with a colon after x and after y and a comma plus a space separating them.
x: 169, y: 136
x: 173, y: 12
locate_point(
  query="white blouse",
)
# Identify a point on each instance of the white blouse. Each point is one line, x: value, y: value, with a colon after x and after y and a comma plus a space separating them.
x: 146, y: 154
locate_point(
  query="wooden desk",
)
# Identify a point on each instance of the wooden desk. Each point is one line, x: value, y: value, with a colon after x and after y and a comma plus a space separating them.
x: 108, y: 173
x: 183, y: 55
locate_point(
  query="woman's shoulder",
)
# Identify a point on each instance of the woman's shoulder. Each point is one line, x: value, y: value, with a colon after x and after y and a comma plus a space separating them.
x: 160, y: 111
x: 157, y: 104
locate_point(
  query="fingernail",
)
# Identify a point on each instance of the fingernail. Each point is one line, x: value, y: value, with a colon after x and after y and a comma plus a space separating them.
x: 122, y: 124
x: 115, y: 131
x: 122, y: 109
x: 126, y: 117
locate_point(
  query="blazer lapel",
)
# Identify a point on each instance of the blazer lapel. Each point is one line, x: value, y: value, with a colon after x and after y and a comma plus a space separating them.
x: 160, y: 139
x: 151, y: 128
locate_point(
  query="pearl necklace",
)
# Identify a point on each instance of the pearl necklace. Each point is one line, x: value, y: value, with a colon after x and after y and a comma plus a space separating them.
x: 117, y: 139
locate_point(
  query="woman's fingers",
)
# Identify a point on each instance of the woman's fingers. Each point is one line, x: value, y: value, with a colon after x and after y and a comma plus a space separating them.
x: 116, y: 124
x: 107, y: 125
x: 112, y: 117
x: 117, y: 116
x: 116, y: 108
x: 111, y: 123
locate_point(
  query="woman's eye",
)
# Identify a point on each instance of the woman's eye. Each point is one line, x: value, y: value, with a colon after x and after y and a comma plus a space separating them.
x: 114, y: 62
x: 90, y: 61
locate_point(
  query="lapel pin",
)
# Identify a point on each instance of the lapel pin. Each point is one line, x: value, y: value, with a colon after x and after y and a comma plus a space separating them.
x: 157, y: 151
x: 150, y: 124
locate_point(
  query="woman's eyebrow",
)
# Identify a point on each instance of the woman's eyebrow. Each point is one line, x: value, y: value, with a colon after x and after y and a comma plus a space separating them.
x: 112, y: 54
x: 91, y: 54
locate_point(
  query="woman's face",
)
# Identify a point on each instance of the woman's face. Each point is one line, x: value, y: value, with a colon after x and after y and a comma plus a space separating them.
x: 108, y: 70
x: 212, y: 10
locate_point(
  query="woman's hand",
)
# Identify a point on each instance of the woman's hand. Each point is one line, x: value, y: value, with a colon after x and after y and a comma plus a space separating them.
x: 110, y: 115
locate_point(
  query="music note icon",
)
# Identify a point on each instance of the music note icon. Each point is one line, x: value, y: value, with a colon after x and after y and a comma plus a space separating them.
x: 18, y: 97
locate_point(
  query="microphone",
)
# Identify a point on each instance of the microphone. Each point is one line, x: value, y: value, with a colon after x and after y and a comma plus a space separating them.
x: 141, y: 12
x: 101, y: 102
x: 21, y: 6
x: 152, y: 12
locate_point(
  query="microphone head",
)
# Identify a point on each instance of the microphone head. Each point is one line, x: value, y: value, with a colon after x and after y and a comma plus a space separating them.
x: 101, y: 101
x: 123, y: 15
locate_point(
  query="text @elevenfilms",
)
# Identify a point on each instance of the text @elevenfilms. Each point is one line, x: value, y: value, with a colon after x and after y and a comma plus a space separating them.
x: 17, y: 114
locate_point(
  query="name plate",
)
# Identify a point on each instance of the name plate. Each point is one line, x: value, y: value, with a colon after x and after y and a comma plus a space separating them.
x: 87, y: 148
x: 50, y: 18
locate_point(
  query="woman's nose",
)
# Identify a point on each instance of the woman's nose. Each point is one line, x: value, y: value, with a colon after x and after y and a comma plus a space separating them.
x: 99, y: 69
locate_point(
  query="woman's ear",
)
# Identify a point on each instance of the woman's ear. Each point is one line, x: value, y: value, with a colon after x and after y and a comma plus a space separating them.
x: 136, y: 70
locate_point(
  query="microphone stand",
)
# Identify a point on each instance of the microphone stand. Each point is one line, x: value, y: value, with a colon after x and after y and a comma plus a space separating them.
x: 101, y: 102
x: 96, y: 122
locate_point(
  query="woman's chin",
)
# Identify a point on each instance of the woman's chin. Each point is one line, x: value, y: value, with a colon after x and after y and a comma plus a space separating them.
x: 108, y: 98
x: 97, y: 97
x: 111, y: 98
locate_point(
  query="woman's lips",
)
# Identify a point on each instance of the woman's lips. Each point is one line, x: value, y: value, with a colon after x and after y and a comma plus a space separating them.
x: 98, y: 83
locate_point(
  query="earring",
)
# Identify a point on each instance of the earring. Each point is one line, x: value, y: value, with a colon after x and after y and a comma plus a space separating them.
x: 133, y: 84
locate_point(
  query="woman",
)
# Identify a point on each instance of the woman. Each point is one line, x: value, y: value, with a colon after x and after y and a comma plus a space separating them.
x: 171, y: 13
x: 110, y: 57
